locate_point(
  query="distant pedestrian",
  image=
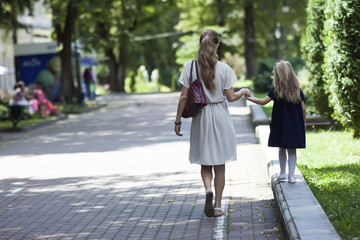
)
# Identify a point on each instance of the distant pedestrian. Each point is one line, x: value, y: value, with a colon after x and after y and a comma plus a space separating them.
x: 287, y: 127
x: 20, y: 94
x: 89, y: 81
x: 212, y: 134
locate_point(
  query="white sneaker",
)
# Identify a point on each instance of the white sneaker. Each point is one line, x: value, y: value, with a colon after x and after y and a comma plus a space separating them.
x: 292, y: 180
x: 282, y: 176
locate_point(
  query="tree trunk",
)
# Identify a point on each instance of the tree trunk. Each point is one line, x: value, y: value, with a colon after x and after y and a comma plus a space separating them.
x: 221, y: 22
x: 133, y: 80
x: 249, y: 40
x: 121, y: 70
x: 356, y: 134
x: 56, y: 25
x: 112, y: 67
x: 149, y: 72
x: 14, y: 27
x: 67, y: 84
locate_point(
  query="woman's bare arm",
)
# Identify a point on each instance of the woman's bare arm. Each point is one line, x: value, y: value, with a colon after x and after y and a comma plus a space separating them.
x: 232, y: 96
x: 181, y: 105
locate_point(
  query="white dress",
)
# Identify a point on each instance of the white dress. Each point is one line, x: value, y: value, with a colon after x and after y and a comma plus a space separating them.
x: 212, y: 134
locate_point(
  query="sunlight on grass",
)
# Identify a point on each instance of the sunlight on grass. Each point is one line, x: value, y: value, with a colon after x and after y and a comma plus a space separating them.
x: 244, y: 84
x: 23, y: 123
x: 331, y: 166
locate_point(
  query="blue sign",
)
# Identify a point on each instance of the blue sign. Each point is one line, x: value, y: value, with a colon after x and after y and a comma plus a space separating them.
x: 28, y: 67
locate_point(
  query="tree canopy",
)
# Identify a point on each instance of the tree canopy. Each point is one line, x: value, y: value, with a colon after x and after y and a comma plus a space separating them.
x: 163, y: 34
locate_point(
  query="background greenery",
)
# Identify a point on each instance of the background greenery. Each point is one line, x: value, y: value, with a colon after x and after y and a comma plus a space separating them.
x: 332, y: 52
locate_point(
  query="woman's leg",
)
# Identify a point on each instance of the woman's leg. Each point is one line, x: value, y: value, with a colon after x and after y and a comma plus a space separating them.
x: 282, y: 160
x: 219, y: 185
x: 206, y: 174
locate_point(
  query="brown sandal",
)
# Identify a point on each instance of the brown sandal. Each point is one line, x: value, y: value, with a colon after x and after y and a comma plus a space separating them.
x: 209, y: 209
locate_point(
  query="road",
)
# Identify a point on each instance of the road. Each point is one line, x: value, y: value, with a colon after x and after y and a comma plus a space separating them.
x: 121, y: 173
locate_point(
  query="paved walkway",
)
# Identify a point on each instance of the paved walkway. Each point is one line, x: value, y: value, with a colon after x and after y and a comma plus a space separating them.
x: 121, y: 173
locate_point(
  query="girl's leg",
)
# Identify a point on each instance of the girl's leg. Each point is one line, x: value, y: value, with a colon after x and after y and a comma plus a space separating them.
x: 219, y: 186
x: 282, y: 161
x: 292, y: 161
x: 206, y: 174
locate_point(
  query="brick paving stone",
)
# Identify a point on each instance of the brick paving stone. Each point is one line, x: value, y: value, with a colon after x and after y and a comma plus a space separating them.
x: 121, y: 173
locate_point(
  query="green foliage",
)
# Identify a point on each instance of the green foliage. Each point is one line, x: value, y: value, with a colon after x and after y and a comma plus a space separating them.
x: 9, y: 11
x: 342, y: 61
x: 30, y: 120
x: 331, y: 166
x: 131, y: 29
x: 263, y: 79
x: 141, y: 85
x: 188, y: 49
x: 292, y: 26
x: 75, y: 108
x: 313, y: 49
x: 244, y: 83
x: 4, y: 113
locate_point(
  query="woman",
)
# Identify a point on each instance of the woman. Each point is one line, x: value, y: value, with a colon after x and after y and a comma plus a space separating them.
x: 212, y: 134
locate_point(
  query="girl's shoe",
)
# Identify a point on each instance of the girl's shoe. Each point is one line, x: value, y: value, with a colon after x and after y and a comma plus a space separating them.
x: 221, y: 212
x: 292, y: 180
x: 282, y: 176
x: 209, y: 209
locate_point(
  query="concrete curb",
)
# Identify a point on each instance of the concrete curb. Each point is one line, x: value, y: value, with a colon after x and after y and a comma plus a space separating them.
x: 301, y: 214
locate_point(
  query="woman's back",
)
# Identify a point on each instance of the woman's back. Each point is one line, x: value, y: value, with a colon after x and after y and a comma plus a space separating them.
x: 224, y: 79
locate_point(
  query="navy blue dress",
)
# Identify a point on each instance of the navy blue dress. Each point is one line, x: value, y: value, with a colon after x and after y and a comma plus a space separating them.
x: 287, y: 128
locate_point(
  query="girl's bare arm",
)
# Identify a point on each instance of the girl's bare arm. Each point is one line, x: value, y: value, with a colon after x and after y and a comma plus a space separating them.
x: 259, y: 101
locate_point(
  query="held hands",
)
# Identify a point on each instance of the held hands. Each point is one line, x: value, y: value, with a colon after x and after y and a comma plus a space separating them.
x: 245, y: 92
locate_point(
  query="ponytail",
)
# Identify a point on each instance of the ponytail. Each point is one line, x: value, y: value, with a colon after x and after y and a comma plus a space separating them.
x: 207, y: 57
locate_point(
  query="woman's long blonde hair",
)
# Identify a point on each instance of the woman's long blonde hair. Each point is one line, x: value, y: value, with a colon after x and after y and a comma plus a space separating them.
x: 207, y: 57
x: 286, y: 84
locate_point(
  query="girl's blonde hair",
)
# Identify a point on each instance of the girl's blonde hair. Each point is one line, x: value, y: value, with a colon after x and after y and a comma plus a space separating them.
x: 286, y: 85
x: 207, y: 57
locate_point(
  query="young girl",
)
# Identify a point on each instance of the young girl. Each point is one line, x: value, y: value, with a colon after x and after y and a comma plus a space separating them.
x: 287, y: 127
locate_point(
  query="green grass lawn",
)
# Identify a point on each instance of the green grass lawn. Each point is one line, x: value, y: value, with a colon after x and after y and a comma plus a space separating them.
x: 331, y: 166
x: 244, y: 84
x: 23, y: 123
x: 76, y: 108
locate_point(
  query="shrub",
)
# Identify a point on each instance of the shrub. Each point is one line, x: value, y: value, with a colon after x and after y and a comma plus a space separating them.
x: 313, y: 52
x: 342, y: 61
x: 4, y: 113
x: 263, y: 79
